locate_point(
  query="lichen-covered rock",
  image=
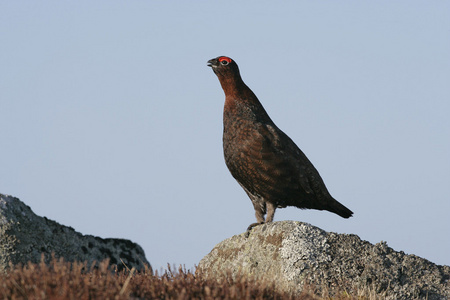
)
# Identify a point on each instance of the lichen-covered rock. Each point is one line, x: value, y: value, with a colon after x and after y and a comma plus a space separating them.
x: 294, y: 254
x: 26, y: 236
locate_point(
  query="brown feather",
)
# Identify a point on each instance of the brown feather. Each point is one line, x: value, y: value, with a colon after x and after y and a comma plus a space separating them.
x: 270, y: 167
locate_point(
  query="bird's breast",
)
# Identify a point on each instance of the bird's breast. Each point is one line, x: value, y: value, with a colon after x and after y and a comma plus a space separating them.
x: 236, y: 135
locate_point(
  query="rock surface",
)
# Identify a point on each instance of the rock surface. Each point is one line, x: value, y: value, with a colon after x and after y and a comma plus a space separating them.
x: 292, y: 254
x: 24, y: 236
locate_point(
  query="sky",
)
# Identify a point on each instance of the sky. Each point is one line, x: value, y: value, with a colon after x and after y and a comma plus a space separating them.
x: 111, y: 121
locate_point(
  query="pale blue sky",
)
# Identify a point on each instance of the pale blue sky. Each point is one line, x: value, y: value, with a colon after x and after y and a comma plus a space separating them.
x: 111, y: 122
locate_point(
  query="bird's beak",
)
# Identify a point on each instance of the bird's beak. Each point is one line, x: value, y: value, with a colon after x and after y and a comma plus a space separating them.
x: 213, y: 63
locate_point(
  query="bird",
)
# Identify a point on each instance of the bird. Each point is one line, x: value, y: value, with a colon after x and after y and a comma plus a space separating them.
x: 266, y: 163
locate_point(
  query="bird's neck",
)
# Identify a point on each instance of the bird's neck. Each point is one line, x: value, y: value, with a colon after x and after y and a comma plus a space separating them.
x: 237, y: 91
x: 241, y: 101
x: 233, y: 86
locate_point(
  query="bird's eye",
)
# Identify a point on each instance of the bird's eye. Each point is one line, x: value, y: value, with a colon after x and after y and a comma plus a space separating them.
x: 225, y: 60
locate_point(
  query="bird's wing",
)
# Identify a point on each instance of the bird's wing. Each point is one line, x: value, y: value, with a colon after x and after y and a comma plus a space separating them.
x: 269, y: 164
x: 291, y: 156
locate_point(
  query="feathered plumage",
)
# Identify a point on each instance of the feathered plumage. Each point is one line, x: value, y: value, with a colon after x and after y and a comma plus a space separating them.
x: 270, y: 167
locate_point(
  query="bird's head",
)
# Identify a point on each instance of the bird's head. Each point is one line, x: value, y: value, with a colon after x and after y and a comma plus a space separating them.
x: 224, y: 66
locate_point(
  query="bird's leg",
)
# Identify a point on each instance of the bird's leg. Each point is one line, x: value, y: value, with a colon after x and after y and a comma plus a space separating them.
x: 259, y: 218
x: 270, y: 211
x: 259, y: 214
x: 260, y: 211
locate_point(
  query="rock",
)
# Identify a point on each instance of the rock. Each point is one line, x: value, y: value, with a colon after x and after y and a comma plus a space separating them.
x: 294, y: 255
x: 24, y: 237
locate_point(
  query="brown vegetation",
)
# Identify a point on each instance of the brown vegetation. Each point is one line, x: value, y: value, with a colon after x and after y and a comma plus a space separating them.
x: 63, y: 280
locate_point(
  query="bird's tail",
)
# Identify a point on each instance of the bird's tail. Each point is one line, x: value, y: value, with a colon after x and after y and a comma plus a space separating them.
x: 340, y: 209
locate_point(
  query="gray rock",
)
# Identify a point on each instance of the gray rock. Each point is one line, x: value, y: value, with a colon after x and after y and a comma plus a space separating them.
x: 24, y: 237
x: 294, y: 255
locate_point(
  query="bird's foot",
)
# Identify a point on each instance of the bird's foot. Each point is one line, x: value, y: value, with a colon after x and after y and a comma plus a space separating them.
x: 250, y: 227
x: 247, y: 233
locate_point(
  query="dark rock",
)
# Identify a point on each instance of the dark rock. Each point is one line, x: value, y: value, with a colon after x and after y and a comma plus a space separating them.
x: 24, y: 237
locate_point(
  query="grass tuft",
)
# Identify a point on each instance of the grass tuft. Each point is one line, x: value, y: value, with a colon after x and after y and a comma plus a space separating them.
x: 65, y: 280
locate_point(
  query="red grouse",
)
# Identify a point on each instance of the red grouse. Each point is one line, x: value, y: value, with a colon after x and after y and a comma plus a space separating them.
x: 268, y: 165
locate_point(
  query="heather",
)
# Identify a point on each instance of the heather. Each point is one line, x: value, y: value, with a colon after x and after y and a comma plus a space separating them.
x: 65, y: 280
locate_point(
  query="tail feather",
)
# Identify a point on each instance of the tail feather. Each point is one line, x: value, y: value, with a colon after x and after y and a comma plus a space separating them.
x: 340, y: 209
